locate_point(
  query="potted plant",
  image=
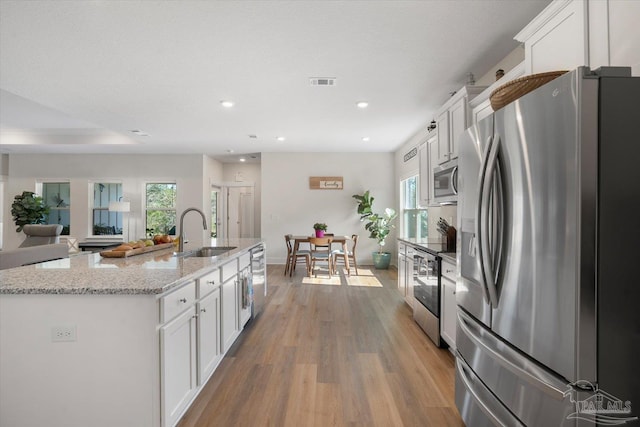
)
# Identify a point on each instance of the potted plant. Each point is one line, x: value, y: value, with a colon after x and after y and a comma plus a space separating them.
x: 320, y: 228
x: 28, y: 208
x: 378, y: 225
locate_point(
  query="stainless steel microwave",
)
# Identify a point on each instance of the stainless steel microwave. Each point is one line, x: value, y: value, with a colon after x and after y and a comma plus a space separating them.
x: 445, y: 185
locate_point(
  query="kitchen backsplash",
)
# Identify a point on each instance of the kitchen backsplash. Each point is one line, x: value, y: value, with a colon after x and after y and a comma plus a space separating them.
x: 448, y: 213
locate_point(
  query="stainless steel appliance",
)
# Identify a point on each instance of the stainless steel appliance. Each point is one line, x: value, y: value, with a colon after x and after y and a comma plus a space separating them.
x: 426, y: 291
x: 259, y: 279
x: 445, y: 189
x: 548, y: 332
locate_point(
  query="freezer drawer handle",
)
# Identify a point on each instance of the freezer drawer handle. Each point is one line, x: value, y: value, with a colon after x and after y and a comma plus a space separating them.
x: 468, y: 383
x: 541, y: 380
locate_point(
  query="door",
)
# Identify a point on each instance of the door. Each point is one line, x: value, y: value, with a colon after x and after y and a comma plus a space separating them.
x: 473, y: 147
x: 536, y: 280
x: 235, y: 212
x: 208, y: 323
x: 178, y: 364
x: 216, y: 220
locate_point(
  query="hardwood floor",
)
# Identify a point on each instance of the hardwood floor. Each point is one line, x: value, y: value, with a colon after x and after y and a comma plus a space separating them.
x: 341, y: 354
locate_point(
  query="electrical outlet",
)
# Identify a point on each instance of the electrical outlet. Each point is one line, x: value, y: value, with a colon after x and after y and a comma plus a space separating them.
x: 63, y: 333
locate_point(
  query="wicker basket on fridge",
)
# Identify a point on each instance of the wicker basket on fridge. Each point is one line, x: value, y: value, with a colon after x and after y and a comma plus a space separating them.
x: 513, y: 90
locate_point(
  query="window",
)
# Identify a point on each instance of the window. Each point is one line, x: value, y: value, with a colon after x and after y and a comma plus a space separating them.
x: 105, y: 222
x: 414, y: 218
x: 58, y: 196
x: 214, y: 213
x: 160, y: 205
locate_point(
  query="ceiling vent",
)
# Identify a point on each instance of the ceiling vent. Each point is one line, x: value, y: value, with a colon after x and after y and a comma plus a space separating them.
x: 322, y: 81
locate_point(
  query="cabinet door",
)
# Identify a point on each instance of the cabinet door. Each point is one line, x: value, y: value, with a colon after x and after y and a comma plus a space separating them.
x: 230, y: 321
x: 409, y: 298
x: 209, y: 353
x: 425, y: 174
x: 402, y: 270
x: 449, y: 315
x: 433, y: 163
x: 244, y: 299
x: 178, y: 366
x: 458, y: 123
x: 442, y: 129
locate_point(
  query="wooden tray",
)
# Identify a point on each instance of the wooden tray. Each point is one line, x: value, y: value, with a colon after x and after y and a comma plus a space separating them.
x: 132, y: 252
x: 514, y: 89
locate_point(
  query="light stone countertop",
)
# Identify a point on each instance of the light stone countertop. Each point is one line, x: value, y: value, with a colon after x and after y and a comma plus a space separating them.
x: 150, y: 273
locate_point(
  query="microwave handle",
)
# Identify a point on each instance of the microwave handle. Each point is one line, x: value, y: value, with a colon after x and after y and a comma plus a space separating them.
x: 454, y: 180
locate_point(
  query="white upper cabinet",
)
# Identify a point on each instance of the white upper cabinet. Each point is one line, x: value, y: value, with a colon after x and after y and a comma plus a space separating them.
x: 571, y: 33
x: 451, y: 121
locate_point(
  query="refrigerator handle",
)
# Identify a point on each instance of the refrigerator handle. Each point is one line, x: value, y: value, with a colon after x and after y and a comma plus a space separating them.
x: 486, y: 257
x: 478, y: 220
x: 454, y: 180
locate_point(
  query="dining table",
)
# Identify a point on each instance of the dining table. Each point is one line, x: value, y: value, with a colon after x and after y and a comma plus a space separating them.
x: 336, y: 239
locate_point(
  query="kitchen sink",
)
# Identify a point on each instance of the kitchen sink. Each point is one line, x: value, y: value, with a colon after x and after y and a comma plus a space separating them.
x: 205, y: 252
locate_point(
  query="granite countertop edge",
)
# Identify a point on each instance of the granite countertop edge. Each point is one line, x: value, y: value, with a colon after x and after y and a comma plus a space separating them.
x: 75, y: 276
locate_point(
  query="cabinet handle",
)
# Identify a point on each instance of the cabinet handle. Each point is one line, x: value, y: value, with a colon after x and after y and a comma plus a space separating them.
x: 204, y: 310
x: 183, y: 300
x: 211, y: 282
x: 449, y: 271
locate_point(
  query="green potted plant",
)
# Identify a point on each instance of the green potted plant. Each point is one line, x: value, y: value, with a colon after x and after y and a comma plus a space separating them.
x: 378, y: 225
x: 28, y: 208
x: 320, y: 228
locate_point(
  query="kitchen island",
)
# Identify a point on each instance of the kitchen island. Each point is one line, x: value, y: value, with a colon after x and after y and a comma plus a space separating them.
x: 92, y: 341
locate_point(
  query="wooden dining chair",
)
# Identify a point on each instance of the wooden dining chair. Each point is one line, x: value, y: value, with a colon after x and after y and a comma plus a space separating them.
x: 293, y: 255
x: 320, y: 251
x: 339, y: 254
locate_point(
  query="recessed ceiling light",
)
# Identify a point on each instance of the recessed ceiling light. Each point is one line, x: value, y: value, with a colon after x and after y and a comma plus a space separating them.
x: 139, y: 132
x: 366, y: 139
x: 242, y: 159
x: 252, y: 136
x: 229, y: 150
x: 280, y: 138
x: 362, y: 104
x: 226, y: 104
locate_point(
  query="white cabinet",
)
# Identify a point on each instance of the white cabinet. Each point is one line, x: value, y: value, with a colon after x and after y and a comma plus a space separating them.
x: 178, y: 365
x: 230, y: 305
x: 571, y: 33
x: 208, y: 327
x: 428, y: 159
x: 448, y: 304
x: 244, y: 299
x: 425, y: 173
x: 557, y: 38
x: 405, y: 272
x: 451, y: 121
x: 433, y: 163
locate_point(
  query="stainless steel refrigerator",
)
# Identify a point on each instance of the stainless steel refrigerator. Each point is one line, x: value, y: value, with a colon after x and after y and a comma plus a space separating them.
x: 548, y: 294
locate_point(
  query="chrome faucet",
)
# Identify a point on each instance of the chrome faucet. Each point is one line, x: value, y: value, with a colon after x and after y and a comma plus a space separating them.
x: 182, y: 235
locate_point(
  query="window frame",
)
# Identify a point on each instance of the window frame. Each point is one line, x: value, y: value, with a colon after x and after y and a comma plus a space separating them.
x: 417, y: 209
x: 40, y: 185
x: 147, y: 209
x: 92, y: 209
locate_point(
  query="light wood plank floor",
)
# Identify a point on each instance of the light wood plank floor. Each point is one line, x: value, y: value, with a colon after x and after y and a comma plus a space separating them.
x: 346, y: 353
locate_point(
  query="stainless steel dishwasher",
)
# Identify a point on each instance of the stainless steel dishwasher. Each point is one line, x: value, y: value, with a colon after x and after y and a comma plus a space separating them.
x: 258, y: 279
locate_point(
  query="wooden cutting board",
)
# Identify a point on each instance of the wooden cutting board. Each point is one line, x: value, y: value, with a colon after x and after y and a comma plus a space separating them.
x: 132, y: 252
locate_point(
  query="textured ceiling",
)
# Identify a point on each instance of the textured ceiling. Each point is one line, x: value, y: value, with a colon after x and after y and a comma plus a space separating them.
x: 78, y: 76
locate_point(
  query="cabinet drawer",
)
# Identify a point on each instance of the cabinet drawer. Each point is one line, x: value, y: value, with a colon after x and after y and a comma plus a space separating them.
x: 245, y: 260
x: 449, y: 270
x: 178, y: 301
x: 229, y: 270
x: 208, y: 283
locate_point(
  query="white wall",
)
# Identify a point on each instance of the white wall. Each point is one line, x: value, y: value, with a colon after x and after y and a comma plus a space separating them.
x: 25, y: 170
x: 289, y: 206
